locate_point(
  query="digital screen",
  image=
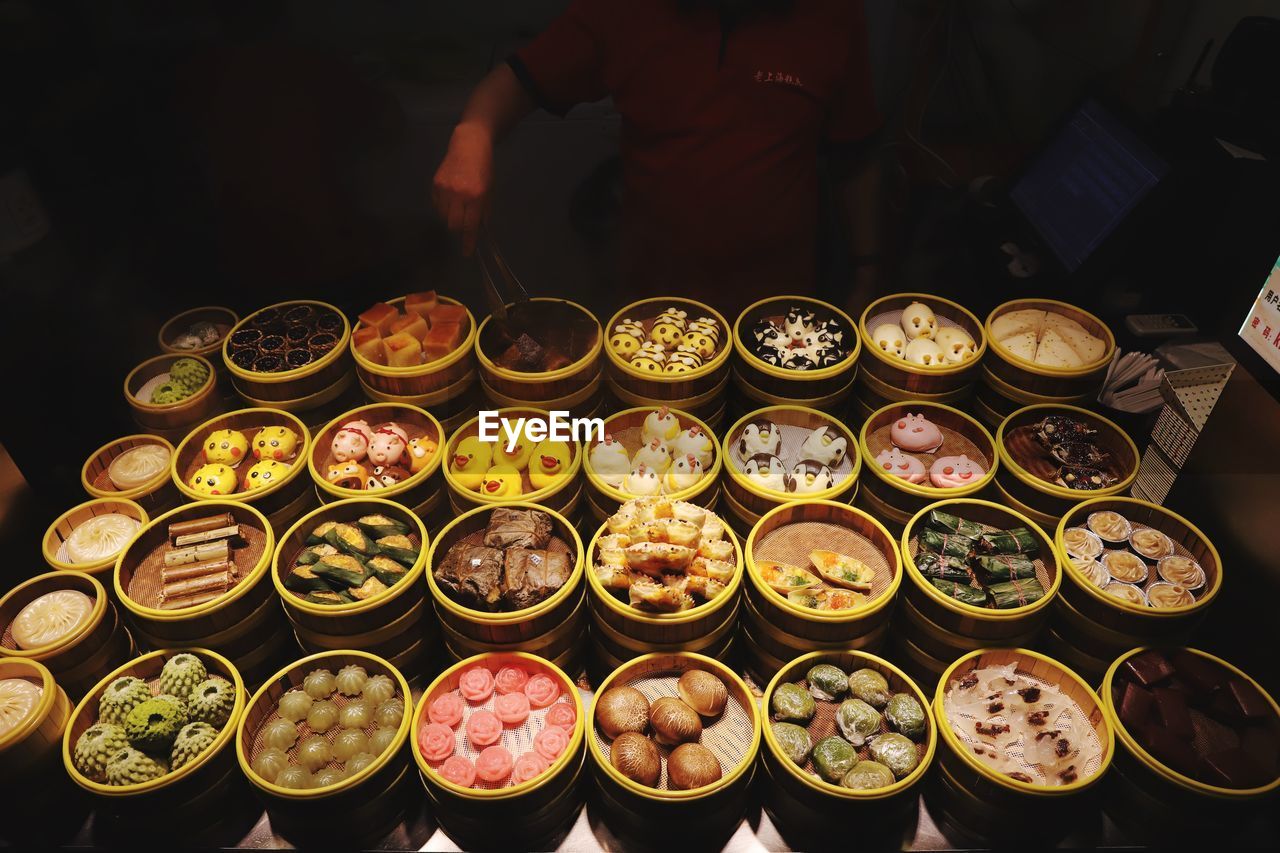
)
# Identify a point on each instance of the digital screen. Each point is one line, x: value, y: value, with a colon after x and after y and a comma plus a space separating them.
x: 1085, y: 182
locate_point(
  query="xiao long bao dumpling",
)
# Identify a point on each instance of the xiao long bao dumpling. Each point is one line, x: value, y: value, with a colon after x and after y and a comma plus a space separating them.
x: 138, y: 466
x: 101, y: 537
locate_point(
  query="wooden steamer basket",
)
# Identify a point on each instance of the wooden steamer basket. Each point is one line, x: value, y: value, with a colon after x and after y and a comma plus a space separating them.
x: 63, y: 525
x: 946, y: 628
x: 788, y: 533
x: 1146, y: 793
x: 360, y: 808
x: 994, y: 399
x: 893, y: 498
x: 569, y: 387
x: 194, y: 794
x: 76, y: 661
x: 302, y: 388
x: 887, y: 378
x: 802, y: 805
x: 425, y: 384
x: 530, y: 815
x: 993, y: 805
x: 1038, y: 379
x: 223, y: 318
x: 171, y: 420
x: 29, y: 752
x: 552, y: 628
x: 422, y: 492
x: 1024, y: 466
x: 763, y: 384
x: 156, y: 495
x: 281, y: 502
x: 705, y: 816
x: 387, y: 625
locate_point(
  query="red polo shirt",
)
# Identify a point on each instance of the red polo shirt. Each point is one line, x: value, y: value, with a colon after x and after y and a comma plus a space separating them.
x: 721, y: 127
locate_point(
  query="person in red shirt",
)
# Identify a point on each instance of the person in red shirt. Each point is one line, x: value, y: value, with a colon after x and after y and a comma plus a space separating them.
x: 726, y: 106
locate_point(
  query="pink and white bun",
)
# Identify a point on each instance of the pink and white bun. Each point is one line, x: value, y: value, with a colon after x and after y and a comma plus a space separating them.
x: 388, y: 445
x: 949, y: 472
x: 902, y: 465
x: 916, y: 434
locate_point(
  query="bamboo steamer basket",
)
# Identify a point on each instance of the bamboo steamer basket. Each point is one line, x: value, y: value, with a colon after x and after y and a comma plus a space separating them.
x: 626, y: 426
x: 193, y: 792
x: 1038, y: 378
x: 1165, y: 801
x: 768, y: 648
x: 1090, y: 667
x: 798, y: 800
x: 77, y: 659
x: 1024, y: 466
x: 446, y: 402
x: 709, y: 405
x: 571, y: 660
x: 994, y: 399
x: 793, y: 386
x: 963, y: 627
x: 562, y: 496
x: 170, y: 419
x: 747, y: 397
x: 155, y: 495
x: 960, y: 433
x: 421, y: 491
x: 586, y: 402
x: 742, y: 519
x: 914, y: 379
x: 56, y: 535
x: 939, y: 643
x: 300, y: 383
x: 894, y: 519
x: 560, y: 643
x: 563, y: 386
x: 281, y: 502
x: 794, y: 423
x: 870, y: 394
x: 915, y: 661
x: 624, y: 648
x: 29, y: 751
x: 364, y: 803
x: 223, y: 318
x: 500, y: 816
x: 682, y: 391
x: 433, y: 377
x: 1022, y: 808
x: 706, y: 815
x: 841, y: 528
x: 314, y: 407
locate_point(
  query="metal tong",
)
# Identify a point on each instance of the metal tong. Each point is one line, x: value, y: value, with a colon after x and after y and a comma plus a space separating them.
x: 498, y: 279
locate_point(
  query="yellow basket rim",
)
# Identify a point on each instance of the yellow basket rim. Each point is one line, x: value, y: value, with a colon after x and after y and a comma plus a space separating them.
x: 226, y: 733
x: 286, y: 375
x: 349, y: 608
x: 537, y: 495
x: 1040, y: 369
x: 1053, y: 489
x: 1023, y: 397
x: 203, y: 391
x: 49, y: 690
x: 206, y: 350
x: 748, y: 762
x: 976, y: 766
x: 708, y: 367
x: 137, y: 492
x: 864, y: 333
x: 547, y: 375
x: 875, y: 605
x: 1098, y: 594
x: 787, y: 497
x: 834, y: 398
x: 543, y: 778
x: 310, y: 794
x: 96, y: 614
x: 295, y: 470
x: 96, y: 566
x: 410, y: 482
x: 431, y: 398
x: 298, y: 403
x: 710, y: 478
x: 183, y: 613
x: 454, y: 356
x: 922, y: 491
x: 750, y: 358
x: 1153, y: 763
x: 586, y: 392
x: 513, y: 616
x: 821, y: 786
x: 988, y: 614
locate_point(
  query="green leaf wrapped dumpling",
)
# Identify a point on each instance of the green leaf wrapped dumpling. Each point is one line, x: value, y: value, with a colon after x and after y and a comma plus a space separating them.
x: 791, y: 703
x: 857, y: 721
x: 833, y: 757
x: 827, y: 682
x: 905, y: 716
x: 794, y: 740
x: 895, y: 752
x: 869, y: 686
x: 868, y: 775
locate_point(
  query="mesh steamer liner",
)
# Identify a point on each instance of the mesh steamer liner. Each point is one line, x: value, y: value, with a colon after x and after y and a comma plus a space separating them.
x: 795, y: 423
x: 54, y: 543
x: 961, y: 434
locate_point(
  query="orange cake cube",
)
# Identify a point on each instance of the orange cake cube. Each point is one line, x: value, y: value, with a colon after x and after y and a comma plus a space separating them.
x: 403, y: 350
x: 446, y: 312
x: 368, y: 343
x: 380, y: 315
x: 412, y: 323
x: 421, y: 304
x: 443, y: 339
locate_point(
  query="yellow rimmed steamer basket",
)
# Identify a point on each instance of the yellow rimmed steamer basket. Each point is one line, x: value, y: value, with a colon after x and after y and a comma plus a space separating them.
x: 77, y: 660
x: 281, y: 502
x: 699, y: 818
x: 299, y: 389
x: 29, y: 752
x: 989, y: 804
x: 776, y: 630
x: 429, y: 384
x: 396, y: 625
x: 761, y: 384
x: 245, y: 624
x: 530, y: 815
x: 171, y: 420
x: 224, y: 319
x: 55, y: 537
x: 700, y: 392
x: 554, y: 628
x: 422, y: 492
x: 574, y: 387
x: 893, y: 499
x: 1148, y: 796
x: 362, y: 807
x: 155, y: 496
x: 194, y: 794
x: 745, y: 502
x: 1024, y: 481
x: 802, y: 805
x: 884, y: 378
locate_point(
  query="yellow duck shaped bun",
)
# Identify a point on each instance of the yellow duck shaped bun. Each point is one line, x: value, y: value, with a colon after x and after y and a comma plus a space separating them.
x: 549, y: 465
x: 501, y: 481
x: 471, y: 459
x: 519, y: 457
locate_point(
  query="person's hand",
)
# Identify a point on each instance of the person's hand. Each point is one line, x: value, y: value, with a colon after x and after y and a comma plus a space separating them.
x: 463, y: 182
